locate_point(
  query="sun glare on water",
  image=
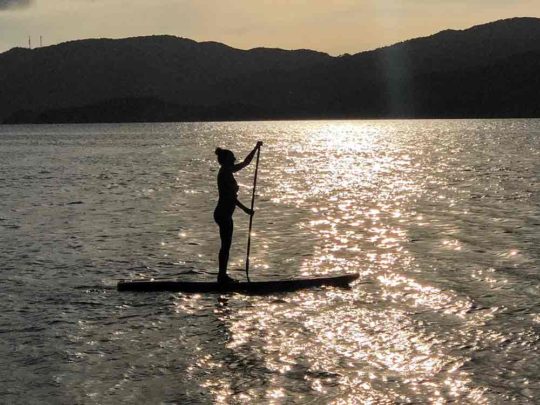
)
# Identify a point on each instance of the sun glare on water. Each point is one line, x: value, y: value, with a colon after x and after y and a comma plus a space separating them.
x: 349, y: 192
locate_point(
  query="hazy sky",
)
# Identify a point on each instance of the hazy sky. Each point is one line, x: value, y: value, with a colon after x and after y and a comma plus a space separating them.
x: 335, y: 27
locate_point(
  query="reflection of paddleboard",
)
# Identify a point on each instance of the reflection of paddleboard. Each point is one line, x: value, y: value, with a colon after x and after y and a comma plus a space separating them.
x: 254, y: 287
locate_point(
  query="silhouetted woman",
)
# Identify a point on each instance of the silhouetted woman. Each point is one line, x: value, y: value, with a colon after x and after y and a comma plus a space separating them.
x: 228, y: 200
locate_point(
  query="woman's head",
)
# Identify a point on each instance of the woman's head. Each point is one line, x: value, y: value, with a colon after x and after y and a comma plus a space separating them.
x: 225, y: 157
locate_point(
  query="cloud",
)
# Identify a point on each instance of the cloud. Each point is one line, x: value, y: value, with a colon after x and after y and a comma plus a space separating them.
x: 5, y: 4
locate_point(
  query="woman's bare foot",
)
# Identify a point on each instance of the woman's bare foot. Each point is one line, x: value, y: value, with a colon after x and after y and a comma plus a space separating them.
x: 225, y: 279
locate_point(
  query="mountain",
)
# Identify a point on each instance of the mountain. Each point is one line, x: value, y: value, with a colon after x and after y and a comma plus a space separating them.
x: 488, y: 70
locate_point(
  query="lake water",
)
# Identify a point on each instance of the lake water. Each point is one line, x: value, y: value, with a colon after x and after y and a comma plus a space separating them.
x: 440, y: 218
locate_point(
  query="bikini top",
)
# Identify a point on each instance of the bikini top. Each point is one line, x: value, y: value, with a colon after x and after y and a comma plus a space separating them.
x: 227, y: 185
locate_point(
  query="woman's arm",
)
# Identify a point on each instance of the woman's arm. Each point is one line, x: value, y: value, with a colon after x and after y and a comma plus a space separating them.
x: 247, y: 210
x: 248, y: 158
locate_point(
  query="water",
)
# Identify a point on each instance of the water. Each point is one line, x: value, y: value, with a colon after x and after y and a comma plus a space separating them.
x: 440, y: 218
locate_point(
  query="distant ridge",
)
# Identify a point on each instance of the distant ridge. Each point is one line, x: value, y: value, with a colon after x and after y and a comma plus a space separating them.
x: 489, y: 70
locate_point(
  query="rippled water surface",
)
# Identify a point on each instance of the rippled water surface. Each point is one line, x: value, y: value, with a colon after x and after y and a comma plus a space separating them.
x: 440, y: 218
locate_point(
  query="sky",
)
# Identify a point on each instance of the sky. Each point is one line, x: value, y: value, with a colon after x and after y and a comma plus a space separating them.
x: 335, y: 27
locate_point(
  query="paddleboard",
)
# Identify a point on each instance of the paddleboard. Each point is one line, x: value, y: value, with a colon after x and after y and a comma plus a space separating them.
x: 254, y: 287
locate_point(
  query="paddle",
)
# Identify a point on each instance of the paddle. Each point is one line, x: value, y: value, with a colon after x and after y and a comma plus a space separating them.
x: 251, y: 216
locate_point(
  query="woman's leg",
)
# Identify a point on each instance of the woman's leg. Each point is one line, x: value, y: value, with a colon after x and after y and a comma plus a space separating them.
x: 226, y: 234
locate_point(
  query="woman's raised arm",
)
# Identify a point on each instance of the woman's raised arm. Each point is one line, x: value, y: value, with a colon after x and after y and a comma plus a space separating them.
x: 248, y: 158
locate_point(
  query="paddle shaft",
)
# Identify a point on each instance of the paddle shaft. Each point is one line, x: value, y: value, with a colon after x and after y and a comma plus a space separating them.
x: 251, y: 216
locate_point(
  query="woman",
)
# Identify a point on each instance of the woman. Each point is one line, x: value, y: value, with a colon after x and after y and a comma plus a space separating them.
x: 228, y: 200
